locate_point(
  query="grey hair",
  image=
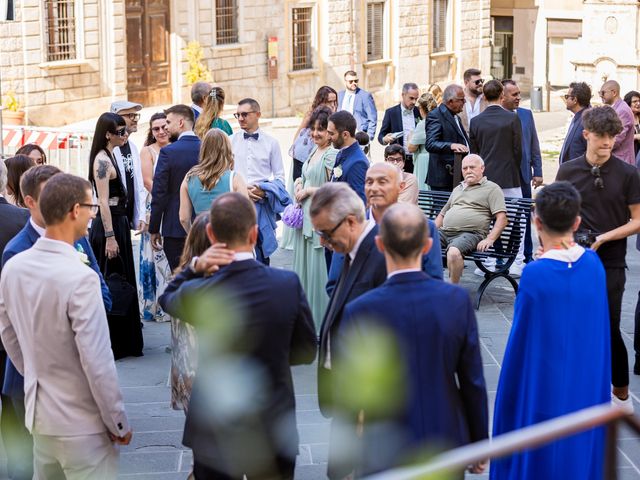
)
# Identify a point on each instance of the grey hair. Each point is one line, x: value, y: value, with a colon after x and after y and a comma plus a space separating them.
x: 450, y: 92
x: 339, y: 200
x: 474, y: 156
x: 3, y: 177
x: 199, y: 91
x: 409, y: 86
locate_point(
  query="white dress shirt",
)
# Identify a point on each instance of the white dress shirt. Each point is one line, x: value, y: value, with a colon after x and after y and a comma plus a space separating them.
x: 473, y: 108
x: 347, y: 101
x: 403, y: 270
x: 408, y: 125
x: 257, y: 160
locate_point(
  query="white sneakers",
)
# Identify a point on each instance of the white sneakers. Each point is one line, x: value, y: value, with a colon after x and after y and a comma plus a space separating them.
x: 625, y: 405
x: 515, y: 270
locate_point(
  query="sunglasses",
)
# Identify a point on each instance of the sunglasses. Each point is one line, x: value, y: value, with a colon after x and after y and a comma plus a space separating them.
x: 121, y: 132
x: 353, y: 81
x: 327, y: 235
x: 480, y: 81
x: 242, y: 114
x: 598, y: 182
x: 567, y: 97
x: 602, y: 92
x: 132, y: 116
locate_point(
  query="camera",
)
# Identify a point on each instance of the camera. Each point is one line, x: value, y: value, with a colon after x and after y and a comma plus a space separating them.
x: 585, y: 238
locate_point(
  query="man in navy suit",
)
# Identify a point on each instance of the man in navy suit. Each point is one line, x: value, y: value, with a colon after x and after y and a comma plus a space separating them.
x: 199, y: 92
x: 359, y: 103
x: 441, y: 388
x: 531, y: 166
x: 351, y: 163
x: 338, y: 216
x: 578, y: 99
x: 31, y: 184
x: 445, y: 137
x: 264, y: 325
x: 401, y: 119
x: 174, y: 162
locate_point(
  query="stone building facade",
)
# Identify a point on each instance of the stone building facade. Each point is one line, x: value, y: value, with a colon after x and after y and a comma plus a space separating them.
x: 67, y: 60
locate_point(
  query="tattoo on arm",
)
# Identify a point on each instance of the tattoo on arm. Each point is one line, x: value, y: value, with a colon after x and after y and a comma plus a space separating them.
x: 103, y: 168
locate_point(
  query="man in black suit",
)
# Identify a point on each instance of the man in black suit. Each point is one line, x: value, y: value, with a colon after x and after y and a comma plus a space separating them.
x: 174, y: 162
x: 445, y: 137
x: 262, y: 325
x: 578, y: 99
x: 401, y: 119
x: 338, y: 216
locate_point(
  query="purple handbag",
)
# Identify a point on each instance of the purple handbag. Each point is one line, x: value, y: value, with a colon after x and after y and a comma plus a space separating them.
x: 293, y: 216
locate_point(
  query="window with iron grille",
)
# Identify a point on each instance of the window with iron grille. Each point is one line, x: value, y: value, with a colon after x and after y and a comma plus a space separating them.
x: 439, y: 26
x: 226, y: 22
x: 375, y: 25
x: 301, y: 39
x: 60, y: 24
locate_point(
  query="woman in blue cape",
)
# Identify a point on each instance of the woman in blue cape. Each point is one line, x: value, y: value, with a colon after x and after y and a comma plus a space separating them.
x: 558, y: 355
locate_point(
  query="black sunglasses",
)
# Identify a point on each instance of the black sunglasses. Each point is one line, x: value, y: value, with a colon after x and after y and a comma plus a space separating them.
x: 480, y: 81
x: 242, y: 114
x: 598, y: 182
x: 121, y: 132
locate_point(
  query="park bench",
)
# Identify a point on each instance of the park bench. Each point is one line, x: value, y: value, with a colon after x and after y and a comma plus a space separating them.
x: 504, y: 250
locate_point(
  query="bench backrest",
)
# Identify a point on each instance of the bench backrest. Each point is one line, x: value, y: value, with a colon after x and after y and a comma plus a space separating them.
x: 431, y: 202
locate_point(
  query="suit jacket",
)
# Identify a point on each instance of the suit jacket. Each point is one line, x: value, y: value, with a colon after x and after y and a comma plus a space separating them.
x: 442, y: 130
x: 392, y: 122
x: 174, y: 162
x: 353, y: 164
x: 56, y: 334
x: 271, y: 329
x: 531, y: 157
x: 574, y: 145
x: 445, y: 397
x: 367, y: 271
x: 12, y: 219
x: 364, y: 111
x: 496, y: 135
x: 13, y: 385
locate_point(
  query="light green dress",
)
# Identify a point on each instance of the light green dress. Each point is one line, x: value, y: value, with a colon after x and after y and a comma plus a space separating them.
x: 308, y: 255
x: 421, y: 157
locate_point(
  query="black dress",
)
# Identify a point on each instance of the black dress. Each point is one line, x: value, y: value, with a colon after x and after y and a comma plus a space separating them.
x: 125, y: 330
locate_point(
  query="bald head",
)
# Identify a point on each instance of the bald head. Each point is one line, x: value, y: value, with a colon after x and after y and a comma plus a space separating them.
x: 382, y: 186
x: 388, y: 169
x: 404, y: 232
x: 610, y: 92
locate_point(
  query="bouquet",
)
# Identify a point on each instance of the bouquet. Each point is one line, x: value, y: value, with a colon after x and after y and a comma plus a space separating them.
x: 293, y: 216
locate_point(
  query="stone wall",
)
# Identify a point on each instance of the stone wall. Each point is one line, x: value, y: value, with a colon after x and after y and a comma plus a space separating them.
x: 474, y: 36
x: 56, y: 93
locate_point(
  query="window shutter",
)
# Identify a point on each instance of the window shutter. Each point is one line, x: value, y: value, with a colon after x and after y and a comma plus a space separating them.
x: 226, y: 22
x: 61, y: 29
x: 301, y: 38
x: 375, y: 30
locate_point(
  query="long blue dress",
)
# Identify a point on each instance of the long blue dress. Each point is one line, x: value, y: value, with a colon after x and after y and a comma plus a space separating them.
x: 557, y: 361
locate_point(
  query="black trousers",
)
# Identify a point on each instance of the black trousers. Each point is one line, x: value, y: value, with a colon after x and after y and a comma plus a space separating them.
x: 636, y: 331
x: 284, y: 469
x: 173, y: 247
x: 616, y: 279
x: 528, y: 242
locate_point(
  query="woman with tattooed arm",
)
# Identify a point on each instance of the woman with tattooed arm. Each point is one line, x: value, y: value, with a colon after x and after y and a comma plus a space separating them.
x: 110, y: 235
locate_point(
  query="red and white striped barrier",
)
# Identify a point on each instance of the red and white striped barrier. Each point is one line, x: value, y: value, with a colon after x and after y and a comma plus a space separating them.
x: 47, y: 140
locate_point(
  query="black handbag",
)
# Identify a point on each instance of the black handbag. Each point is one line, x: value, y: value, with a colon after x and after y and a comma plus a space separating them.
x: 123, y: 294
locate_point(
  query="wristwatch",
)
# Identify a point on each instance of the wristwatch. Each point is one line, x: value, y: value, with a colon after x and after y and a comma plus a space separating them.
x: 192, y: 264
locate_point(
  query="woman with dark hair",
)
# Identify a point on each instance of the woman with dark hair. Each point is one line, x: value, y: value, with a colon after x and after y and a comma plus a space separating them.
x: 154, y: 268
x: 303, y: 145
x: 210, y: 116
x: 110, y: 234
x: 308, y: 255
x: 33, y: 151
x: 16, y: 166
x: 632, y: 99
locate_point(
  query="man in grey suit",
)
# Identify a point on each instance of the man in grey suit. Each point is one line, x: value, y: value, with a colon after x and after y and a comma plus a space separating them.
x: 359, y: 103
x: 59, y: 341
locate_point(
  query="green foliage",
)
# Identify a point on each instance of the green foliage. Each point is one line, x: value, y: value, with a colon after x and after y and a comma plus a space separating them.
x: 198, y: 71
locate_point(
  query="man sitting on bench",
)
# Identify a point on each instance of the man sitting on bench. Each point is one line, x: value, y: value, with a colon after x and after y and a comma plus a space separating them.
x: 464, y: 220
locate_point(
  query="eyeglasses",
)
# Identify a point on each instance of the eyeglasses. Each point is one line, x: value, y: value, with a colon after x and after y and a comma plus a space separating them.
x: 94, y: 207
x: 121, y: 132
x: 598, y: 182
x: 567, y: 97
x: 327, y: 235
x: 242, y: 114
x: 353, y: 81
x: 480, y: 81
x: 602, y: 92
x: 132, y: 116
x: 394, y: 159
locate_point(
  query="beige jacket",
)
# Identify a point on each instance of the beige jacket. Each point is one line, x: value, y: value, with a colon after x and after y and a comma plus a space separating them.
x: 54, y: 328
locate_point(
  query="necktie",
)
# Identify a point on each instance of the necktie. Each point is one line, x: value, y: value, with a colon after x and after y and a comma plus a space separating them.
x: 333, y: 305
x: 251, y: 135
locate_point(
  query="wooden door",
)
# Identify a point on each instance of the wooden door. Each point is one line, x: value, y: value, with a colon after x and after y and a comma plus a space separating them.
x: 148, y: 53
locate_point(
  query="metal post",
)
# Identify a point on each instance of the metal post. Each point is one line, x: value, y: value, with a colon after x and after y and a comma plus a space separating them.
x: 273, y: 99
x: 611, y: 452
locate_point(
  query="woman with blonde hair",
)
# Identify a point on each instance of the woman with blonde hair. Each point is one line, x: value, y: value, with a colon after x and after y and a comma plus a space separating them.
x: 210, y: 116
x: 210, y: 178
x: 416, y: 145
